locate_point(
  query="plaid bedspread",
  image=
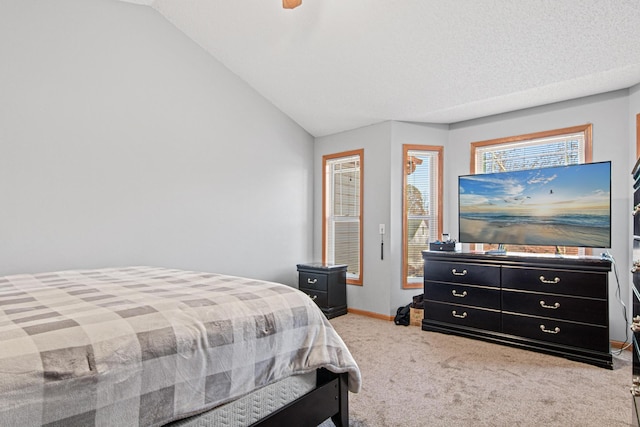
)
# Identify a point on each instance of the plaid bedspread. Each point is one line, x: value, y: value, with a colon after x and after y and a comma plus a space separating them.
x: 142, y: 346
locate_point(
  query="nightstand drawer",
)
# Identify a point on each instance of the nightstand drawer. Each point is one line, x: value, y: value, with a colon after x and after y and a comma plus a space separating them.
x: 566, y: 282
x: 462, y: 315
x: 574, y: 309
x: 478, y: 296
x: 319, y: 297
x: 557, y: 331
x: 313, y: 281
x: 467, y: 273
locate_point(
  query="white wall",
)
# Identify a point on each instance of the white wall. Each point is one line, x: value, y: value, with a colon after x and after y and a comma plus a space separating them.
x: 381, y: 292
x: 122, y: 142
x: 374, y: 294
x: 418, y: 134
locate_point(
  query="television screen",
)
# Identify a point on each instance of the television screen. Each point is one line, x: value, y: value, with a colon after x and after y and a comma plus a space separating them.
x: 556, y: 206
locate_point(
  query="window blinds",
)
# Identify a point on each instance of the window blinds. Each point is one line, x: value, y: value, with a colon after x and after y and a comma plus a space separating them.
x: 343, y: 231
x: 531, y: 154
x: 421, y: 209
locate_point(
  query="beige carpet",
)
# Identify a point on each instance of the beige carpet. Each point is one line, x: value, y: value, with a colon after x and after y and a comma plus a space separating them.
x: 417, y: 378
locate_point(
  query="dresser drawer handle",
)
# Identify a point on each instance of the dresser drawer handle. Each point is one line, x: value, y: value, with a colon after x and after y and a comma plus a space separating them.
x: 312, y: 282
x: 555, y: 280
x: 636, y: 266
x: 552, y: 307
x: 556, y: 330
x: 459, y: 316
x: 456, y: 273
x: 456, y: 294
x: 313, y: 297
x: 636, y: 209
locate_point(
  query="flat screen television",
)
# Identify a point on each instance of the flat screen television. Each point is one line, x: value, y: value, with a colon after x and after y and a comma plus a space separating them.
x: 555, y: 206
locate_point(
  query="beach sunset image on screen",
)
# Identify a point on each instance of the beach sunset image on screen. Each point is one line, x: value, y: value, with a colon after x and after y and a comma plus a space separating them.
x: 558, y: 206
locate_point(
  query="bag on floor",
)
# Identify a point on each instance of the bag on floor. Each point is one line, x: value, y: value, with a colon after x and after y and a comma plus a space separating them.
x: 402, y: 315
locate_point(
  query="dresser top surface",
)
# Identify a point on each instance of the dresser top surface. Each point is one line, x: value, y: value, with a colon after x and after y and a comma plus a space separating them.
x: 518, y: 258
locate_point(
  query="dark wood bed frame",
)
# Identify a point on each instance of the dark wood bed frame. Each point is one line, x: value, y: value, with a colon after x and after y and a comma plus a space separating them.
x: 330, y: 399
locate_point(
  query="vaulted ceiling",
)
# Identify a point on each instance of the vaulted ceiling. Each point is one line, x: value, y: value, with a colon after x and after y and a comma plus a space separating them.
x: 335, y: 65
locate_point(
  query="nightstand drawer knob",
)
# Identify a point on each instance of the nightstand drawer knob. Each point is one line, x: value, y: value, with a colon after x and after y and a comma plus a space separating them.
x: 457, y: 273
x: 456, y: 294
x: 459, y: 316
x: 312, y: 281
x: 555, y: 280
x: 556, y: 330
x: 552, y: 307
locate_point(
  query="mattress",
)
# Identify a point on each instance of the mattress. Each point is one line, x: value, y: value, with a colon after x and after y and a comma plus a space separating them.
x: 254, y: 406
x: 145, y: 346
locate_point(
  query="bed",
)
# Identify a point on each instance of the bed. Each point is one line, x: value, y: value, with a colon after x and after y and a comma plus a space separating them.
x: 148, y: 346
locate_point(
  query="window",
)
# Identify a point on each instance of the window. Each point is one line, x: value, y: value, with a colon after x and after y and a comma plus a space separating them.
x: 422, y: 208
x: 342, y: 212
x: 543, y: 149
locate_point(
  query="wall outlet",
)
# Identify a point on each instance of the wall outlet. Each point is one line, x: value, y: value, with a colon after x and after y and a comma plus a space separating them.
x: 382, y: 229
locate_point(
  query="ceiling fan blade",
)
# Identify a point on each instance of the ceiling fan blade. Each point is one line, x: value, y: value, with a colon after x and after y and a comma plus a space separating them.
x: 291, y: 4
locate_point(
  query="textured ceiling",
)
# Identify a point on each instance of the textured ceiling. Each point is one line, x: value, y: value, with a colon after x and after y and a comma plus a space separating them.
x: 335, y: 65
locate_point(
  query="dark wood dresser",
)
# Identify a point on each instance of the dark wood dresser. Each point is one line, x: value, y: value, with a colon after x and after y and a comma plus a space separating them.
x: 635, y: 296
x: 326, y: 284
x: 555, y: 305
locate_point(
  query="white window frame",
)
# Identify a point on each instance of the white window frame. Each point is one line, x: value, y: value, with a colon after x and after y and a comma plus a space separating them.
x: 505, y: 154
x: 412, y: 263
x: 354, y: 215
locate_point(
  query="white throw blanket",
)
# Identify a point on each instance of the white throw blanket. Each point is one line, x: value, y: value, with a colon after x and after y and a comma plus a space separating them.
x: 142, y: 346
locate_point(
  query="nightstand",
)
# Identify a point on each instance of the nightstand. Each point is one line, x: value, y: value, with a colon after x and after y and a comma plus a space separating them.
x: 326, y: 284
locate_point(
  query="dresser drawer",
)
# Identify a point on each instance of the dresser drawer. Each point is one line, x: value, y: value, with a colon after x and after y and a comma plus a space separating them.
x: 463, y: 294
x: 467, y: 273
x: 635, y: 302
x: 636, y: 214
x: 570, y: 334
x: 566, y: 282
x: 636, y: 279
x: 574, y: 309
x: 319, y: 297
x: 462, y: 315
x: 312, y: 281
x: 635, y: 355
